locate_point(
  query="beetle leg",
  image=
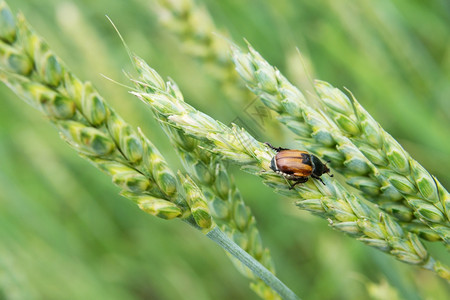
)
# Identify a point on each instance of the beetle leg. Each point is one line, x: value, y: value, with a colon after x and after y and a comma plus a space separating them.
x: 278, y: 149
x: 299, y: 180
x: 293, y: 185
x: 318, y: 178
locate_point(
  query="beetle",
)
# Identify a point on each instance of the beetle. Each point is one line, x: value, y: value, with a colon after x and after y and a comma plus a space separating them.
x: 297, y: 165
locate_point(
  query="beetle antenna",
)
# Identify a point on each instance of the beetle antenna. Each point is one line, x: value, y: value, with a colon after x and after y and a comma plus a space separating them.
x: 272, y: 147
x: 278, y: 149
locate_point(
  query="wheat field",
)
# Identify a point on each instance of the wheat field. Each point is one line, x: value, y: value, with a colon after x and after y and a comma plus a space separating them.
x: 66, y: 233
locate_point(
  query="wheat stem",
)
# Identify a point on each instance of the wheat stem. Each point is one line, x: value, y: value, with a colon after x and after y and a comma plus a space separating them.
x: 222, y: 239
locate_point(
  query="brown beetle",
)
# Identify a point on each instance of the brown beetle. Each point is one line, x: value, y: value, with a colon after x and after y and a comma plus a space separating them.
x: 297, y: 165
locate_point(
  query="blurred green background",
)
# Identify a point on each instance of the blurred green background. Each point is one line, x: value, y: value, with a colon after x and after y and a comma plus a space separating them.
x: 66, y: 234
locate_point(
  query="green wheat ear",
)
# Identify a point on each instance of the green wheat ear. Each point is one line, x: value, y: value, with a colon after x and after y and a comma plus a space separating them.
x: 422, y: 193
x: 345, y: 212
x: 370, y: 159
x: 209, y: 173
x: 89, y: 125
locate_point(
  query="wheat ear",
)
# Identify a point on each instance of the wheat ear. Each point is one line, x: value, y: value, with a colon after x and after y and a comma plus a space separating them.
x: 376, y: 173
x: 209, y: 173
x: 90, y: 126
x: 345, y: 211
x: 428, y: 200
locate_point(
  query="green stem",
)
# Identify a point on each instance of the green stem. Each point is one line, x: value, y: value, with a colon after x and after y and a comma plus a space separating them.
x: 220, y: 238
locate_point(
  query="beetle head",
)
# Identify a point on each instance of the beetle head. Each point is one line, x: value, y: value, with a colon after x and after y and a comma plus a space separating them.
x: 319, y: 167
x: 326, y: 169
